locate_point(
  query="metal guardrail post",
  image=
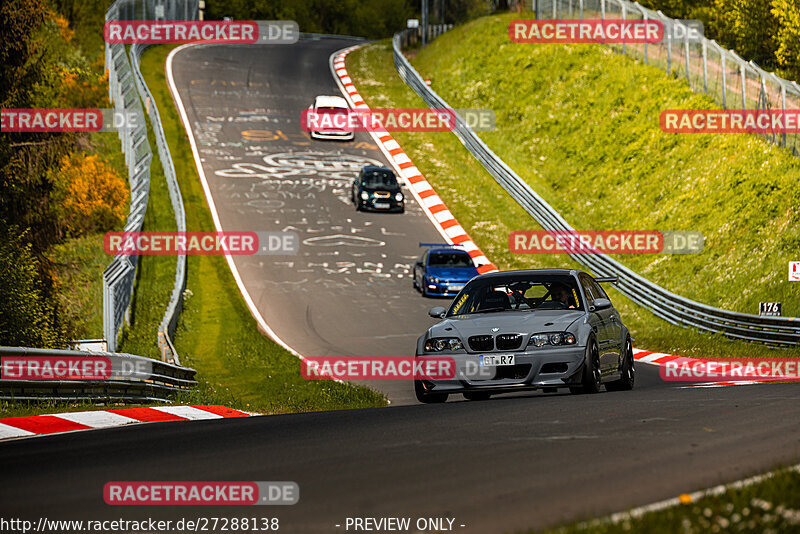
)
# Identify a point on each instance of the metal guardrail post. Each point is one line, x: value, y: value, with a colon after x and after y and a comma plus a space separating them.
x: 722, y: 55
x: 623, y: 14
x: 705, y: 66
x: 686, y: 53
x: 645, y: 19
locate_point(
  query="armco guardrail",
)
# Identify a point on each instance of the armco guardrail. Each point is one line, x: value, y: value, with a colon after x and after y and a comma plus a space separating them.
x: 120, y: 276
x: 125, y: 81
x: 126, y: 377
x: 669, y: 306
x: 166, y: 329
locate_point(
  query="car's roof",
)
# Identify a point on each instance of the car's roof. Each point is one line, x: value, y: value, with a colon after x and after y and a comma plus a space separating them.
x: 532, y: 272
x: 326, y: 101
x: 446, y: 250
x: 373, y: 168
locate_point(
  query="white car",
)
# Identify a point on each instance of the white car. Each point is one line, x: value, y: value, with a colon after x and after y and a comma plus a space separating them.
x: 329, y: 106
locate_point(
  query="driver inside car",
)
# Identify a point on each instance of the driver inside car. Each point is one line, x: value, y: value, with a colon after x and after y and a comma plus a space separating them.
x: 560, y: 293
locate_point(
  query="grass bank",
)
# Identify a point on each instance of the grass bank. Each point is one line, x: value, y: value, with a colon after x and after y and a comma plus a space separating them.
x: 771, y: 506
x: 580, y: 124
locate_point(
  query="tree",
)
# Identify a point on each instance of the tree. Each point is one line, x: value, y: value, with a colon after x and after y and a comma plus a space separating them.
x: 28, y: 316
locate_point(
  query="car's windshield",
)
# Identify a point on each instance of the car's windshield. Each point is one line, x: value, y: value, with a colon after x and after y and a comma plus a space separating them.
x: 378, y: 179
x: 518, y: 293
x: 449, y: 259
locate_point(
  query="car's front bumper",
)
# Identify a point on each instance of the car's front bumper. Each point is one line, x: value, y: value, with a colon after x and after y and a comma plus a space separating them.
x: 537, y: 368
x: 341, y: 136
x: 449, y: 288
x: 382, y: 204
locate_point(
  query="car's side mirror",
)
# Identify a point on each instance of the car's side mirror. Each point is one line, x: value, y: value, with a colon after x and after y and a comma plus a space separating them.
x: 437, y: 312
x: 600, y: 304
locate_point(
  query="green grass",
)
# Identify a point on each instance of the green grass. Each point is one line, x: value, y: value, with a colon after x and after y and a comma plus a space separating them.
x: 769, y: 507
x: 80, y: 263
x: 216, y: 333
x: 580, y: 124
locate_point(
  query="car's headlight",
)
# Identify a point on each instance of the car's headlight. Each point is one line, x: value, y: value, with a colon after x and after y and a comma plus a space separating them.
x: 438, y: 344
x: 557, y: 338
x: 433, y: 280
x: 399, y: 197
x: 364, y: 195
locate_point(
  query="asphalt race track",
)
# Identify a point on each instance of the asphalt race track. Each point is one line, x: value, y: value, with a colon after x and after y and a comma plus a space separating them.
x: 348, y: 292
x: 529, y: 460
x: 494, y: 466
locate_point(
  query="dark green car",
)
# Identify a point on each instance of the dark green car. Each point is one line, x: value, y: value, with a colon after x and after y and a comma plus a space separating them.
x: 377, y: 189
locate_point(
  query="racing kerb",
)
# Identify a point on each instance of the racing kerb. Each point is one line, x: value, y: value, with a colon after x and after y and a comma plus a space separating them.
x: 38, y: 425
x: 663, y: 303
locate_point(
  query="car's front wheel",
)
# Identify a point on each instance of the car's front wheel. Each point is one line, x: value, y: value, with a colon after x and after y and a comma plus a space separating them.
x: 424, y: 287
x: 627, y: 372
x: 427, y: 398
x: 590, y: 376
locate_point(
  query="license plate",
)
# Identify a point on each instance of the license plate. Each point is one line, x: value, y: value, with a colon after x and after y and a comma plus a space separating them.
x: 381, y: 205
x: 494, y: 360
x: 455, y: 287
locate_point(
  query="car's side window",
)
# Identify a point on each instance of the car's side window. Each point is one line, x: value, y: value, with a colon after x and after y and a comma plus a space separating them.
x: 597, y: 289
x: 586, y: 282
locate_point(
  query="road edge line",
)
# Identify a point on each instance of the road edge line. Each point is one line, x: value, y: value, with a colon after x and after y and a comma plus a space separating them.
x: 176, y: 98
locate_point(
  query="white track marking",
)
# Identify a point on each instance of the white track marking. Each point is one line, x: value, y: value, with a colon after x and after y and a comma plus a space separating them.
x: 96, y: 419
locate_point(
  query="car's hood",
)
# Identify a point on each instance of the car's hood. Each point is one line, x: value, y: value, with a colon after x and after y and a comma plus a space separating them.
x: 463, y: 274
x: 507, y: 322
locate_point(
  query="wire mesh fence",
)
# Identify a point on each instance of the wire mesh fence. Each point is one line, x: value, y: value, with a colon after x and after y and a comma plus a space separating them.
x: 709, y: 68
x: 127, y: 91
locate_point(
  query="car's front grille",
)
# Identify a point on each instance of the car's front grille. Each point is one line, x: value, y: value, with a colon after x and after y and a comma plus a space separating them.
x: 481, y: 343
x: 382, y: 194
x: 509, y: 341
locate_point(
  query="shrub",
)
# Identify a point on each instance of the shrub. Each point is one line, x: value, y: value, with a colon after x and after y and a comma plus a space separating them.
x: 94, y: 195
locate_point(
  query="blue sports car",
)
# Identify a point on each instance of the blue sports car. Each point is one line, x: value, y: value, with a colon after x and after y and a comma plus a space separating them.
x: 443, y: 270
